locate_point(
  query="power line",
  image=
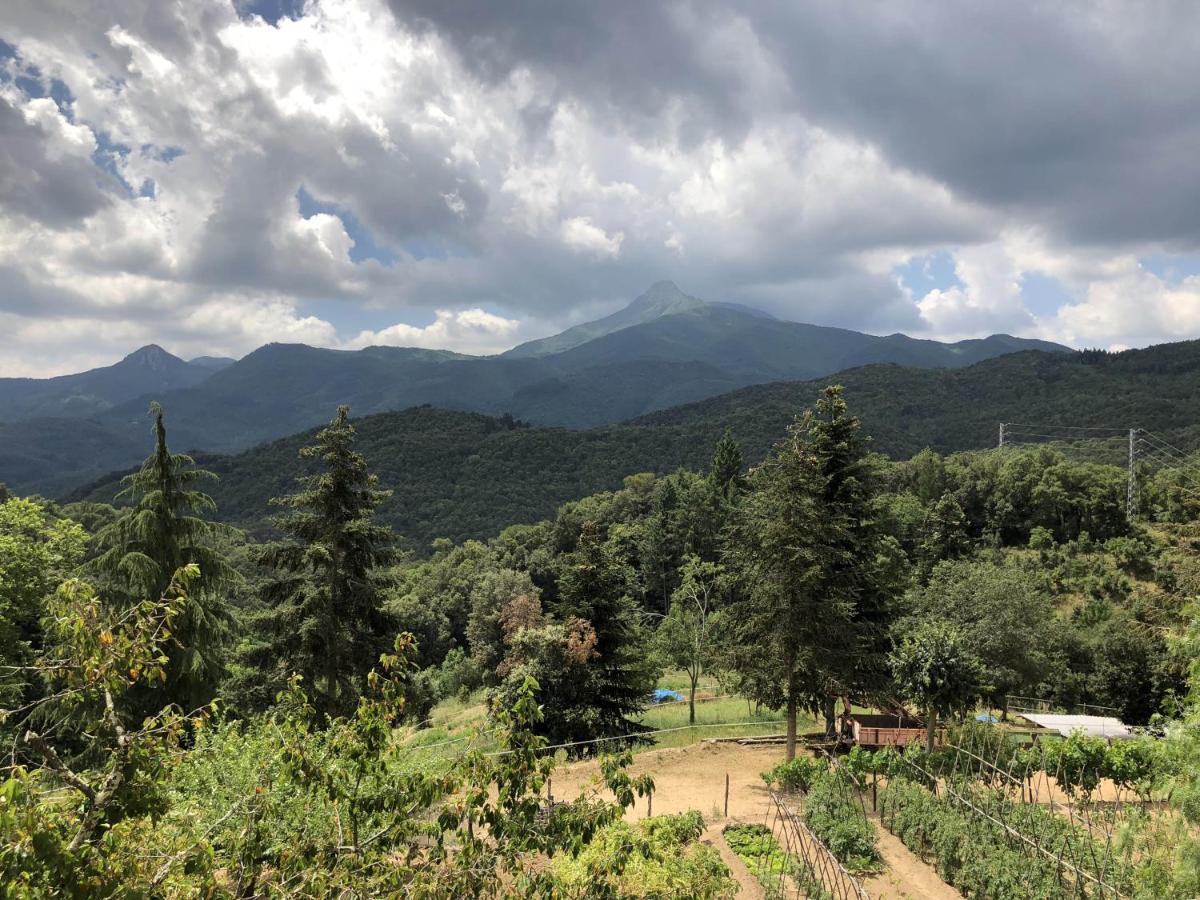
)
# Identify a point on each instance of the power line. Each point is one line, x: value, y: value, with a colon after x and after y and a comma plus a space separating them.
x: 1123, y: 428
x: 1053, y: 437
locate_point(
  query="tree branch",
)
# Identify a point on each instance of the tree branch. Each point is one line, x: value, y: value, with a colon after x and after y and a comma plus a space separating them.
x: 53, y: 762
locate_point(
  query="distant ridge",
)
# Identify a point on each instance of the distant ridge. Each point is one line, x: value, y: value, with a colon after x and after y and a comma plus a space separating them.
x: 149, y: 369
x: 662, y: 298
x: 464, y: 475
x: 664, y: 349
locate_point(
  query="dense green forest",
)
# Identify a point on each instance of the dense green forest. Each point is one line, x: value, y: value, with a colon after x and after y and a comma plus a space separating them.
x: 464, y: 475
x: 197, y: 711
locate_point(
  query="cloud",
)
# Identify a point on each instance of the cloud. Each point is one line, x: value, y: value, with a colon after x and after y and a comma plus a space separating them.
x: 546, y: 161
x: 469, y: 331
x: 580, y: 233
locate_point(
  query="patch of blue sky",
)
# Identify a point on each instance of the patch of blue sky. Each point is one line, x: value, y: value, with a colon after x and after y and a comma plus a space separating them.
x: 934, y: 271
x: 109, y: 155
x: 1043, y: 295
x: 271, y: 10
x: 1171, y: 268
x: 365, y: 245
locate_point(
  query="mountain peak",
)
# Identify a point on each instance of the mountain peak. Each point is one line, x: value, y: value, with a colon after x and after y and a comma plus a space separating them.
x: 153, y: 357
x: 662, y: 299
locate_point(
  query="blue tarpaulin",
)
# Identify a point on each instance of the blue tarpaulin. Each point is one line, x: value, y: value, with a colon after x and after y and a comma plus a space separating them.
x: 662, y: 695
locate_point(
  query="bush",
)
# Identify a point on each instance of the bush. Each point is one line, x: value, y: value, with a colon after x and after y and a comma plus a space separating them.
x: 794, y: 775
x: 834, y: 812
x: 657, y: 857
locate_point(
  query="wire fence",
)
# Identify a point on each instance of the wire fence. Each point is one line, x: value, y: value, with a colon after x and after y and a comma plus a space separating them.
x: 1031, y: 797
x: 806, y: 867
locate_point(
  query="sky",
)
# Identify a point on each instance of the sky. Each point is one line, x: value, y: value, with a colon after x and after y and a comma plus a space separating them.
x: 212, y: 175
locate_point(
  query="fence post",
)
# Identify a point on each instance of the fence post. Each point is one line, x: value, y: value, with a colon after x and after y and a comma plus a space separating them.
x: 727, y: 795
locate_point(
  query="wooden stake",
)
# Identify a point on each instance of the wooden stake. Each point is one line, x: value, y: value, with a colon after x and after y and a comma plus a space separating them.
x: 727, y: 795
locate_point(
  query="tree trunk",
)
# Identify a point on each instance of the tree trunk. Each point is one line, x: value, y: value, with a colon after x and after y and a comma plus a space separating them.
x: 692, y: 700
x: 930, y: 730
x: 830, y: 714
x: 791, y: 727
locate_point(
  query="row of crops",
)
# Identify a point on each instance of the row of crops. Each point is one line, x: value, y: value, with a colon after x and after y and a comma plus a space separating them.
x: 996, y: 818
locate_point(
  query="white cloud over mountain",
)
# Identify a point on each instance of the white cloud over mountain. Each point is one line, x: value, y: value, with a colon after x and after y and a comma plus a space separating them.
x: 195, y: 174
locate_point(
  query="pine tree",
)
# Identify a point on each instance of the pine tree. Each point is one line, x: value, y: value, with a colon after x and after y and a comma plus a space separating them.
x: 816, y: 579
x: 596, y: 587
x: 325, y: 619
x: 143, y: 549
x: 726, y: 473
x: 661, y: 548
x: 863, y: 565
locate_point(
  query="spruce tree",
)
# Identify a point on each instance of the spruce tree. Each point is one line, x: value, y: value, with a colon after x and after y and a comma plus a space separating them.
x: 596, y: 587
x: 863, y: 564
x: 143, y: 549
x: 325, y: 619
x: 726, y: 473
x: 815, y: 577
x: 661, y: 549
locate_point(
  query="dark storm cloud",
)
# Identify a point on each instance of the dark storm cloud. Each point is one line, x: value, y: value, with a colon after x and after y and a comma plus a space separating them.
x: 1081, y: 117
x: 41, y: 183
x: 1084, y: 115
x: 633, y: 57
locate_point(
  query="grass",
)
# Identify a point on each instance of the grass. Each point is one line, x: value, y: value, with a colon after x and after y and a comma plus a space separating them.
x: 453, y: 721
x: 713, y: 716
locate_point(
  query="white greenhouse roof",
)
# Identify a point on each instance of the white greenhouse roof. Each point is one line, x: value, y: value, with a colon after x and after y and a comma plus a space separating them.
x: 1095, y: 726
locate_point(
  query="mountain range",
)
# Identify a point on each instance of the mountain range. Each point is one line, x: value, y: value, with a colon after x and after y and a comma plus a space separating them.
x: 664, y: 350
x: 465, y: 475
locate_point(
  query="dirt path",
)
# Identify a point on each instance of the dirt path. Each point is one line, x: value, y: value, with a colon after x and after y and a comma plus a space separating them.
x: 687, y: 778
x: 693, y: 777
x: 749, y: 887
x: 907, y: 876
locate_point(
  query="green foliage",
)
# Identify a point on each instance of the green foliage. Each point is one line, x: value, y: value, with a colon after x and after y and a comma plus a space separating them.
x: 1004, y: 615
x: 325, y: 620
x: 814, y: 585
x: 685, y: 637
x: 657, y: 857
x: 834, y: 812
x: 795, y: 774
x: 36, y: 552
x: 968, y: 852
x: 143, y: 548
x: 94, y: 655
x: 934, y: 669
x: 762, y: 854
x: 595, y: 588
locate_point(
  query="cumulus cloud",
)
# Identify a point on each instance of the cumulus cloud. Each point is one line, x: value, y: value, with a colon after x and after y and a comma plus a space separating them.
x: 546, y: 161
x: 469, y: 331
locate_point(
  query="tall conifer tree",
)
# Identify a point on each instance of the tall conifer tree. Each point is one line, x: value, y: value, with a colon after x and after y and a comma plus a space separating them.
x: 143, y: 549
x: 815, y: 576
x: 325, y: 619
x: 596, y: 587
x: 726, y: 474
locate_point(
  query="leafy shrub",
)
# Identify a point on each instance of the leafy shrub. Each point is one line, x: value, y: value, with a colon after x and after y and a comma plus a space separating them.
x: 834, y: 812
x: 657, y: 857
x: 757, y: 847
x: 981, y: 858
x: 796, y: 774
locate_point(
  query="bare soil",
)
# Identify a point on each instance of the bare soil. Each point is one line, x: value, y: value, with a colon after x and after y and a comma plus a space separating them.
x: 693, y: 777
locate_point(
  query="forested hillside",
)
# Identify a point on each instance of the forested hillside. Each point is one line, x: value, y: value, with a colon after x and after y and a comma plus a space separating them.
x: 663, y: 350
x: 463, y: 475
x: 209, y: 714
